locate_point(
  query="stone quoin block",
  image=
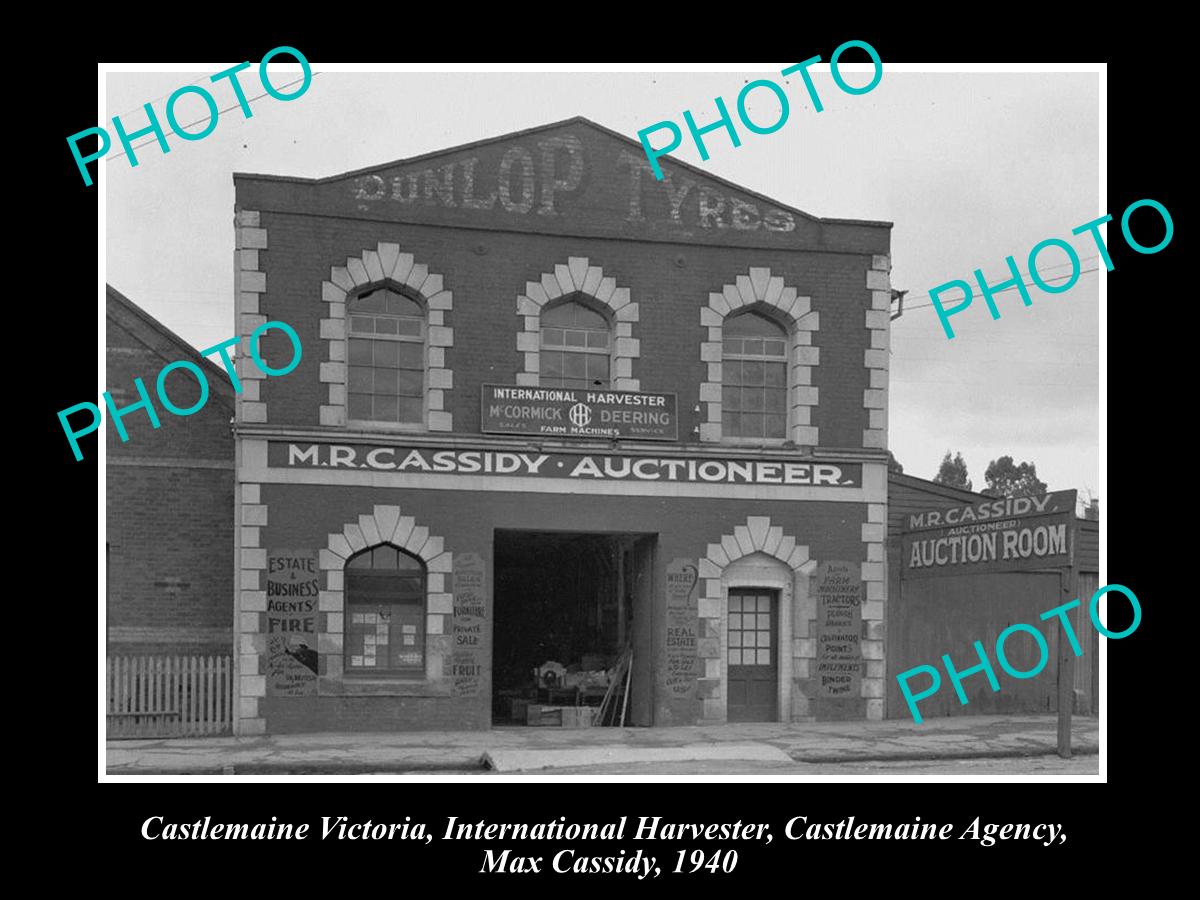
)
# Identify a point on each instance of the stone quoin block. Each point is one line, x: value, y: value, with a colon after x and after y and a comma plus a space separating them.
x: 254, y: 601
x: 253, y: 685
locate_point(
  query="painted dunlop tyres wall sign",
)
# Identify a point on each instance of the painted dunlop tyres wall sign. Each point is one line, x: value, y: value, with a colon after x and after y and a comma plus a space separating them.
x: 1003, y: 535
x: 571, y: 412
x: 577, y: 466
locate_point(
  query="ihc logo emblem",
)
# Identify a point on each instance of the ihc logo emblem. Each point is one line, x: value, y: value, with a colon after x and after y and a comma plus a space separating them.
x: 580, y: 415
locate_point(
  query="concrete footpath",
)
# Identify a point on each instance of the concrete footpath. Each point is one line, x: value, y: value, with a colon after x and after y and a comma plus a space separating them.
x: 545, y: 749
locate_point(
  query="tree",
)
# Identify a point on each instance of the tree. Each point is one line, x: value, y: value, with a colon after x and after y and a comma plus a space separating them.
x: 894, y: 464
x: 953, y: 472
x: 1007, y: 479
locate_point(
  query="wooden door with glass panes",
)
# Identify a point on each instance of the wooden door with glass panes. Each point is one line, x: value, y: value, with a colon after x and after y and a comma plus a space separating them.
x: 753, y: 649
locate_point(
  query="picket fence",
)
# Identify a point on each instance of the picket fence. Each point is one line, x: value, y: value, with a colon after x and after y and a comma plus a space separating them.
x: 169, y: 696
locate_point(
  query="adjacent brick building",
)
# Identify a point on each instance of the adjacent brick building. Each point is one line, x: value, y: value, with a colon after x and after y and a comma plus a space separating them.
x: 408, y: 552
x: 169, y: 507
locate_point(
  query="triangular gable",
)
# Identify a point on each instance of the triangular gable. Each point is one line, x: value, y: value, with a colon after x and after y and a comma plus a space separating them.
x: 573, y: 177
x: 162, y: 340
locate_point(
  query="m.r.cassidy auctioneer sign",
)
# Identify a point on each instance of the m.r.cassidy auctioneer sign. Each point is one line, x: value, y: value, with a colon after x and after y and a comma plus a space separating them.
x: 578, y: 466
x: 576, y: 412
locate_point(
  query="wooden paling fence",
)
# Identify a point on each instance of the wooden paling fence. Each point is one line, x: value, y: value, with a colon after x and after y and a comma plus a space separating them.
x: 169, y: 696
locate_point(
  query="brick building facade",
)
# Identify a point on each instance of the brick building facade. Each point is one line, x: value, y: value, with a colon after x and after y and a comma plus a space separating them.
x: 169, y: 499
x: 400, y: 568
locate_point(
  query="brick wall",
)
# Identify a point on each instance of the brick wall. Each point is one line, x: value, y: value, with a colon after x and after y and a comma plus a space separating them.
x: 169, y: 514
x: 669, y: 282
x: 301, y: 516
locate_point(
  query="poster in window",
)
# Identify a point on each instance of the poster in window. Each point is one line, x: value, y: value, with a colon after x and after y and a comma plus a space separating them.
x: 839, y: 591
x: 470, y: 620
x: 293, y: 586
x: 683, y: 663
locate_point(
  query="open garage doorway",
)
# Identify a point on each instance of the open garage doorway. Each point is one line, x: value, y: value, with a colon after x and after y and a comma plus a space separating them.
x: 568, y: 606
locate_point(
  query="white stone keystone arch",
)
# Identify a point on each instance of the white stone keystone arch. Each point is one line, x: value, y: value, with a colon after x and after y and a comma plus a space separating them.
x: 578, y: 276
x: 762, y: 291
x: 386, y: 264
x: 717, y: 571
x: 386, y: 525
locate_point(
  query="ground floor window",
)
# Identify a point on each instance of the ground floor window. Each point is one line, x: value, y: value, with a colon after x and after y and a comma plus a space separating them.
x: 385, y: 612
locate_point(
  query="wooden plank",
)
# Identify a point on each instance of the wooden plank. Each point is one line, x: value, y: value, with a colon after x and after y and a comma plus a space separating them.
x: 129, y: 686
x: 210, y: 690
x: 628, y: 679
x: 111, y: 700
x: 135, y: 690
x: 192, y: 678
x: 185, y: 681
x: 219, y: 695
x: 156, y: 703
x: 140, y: 702
x: 172, y: 690
x: 119, y: 677
x: 1066, y: 675
x: 131, y: 695
x: 226, y: 698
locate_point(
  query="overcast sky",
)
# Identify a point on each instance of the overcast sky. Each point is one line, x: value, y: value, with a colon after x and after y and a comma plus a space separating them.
x: 970, y: 168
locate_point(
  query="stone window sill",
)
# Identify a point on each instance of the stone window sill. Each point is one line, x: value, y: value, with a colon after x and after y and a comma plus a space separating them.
x: 382, y: 687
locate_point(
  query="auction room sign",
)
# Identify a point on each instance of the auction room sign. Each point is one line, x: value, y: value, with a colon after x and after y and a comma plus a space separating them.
x: 293, y: 584
x: 573, y: 412
x: 1010, y: 534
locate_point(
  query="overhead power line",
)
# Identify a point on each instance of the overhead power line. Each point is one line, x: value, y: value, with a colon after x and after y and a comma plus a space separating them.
x: 1052, y: 278
x: 220, y: 112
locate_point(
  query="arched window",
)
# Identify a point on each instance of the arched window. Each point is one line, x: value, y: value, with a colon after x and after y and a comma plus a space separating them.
x: 754, y: 377
x: 385, y: 611
x: 576, y: 347
x: 385, y: 380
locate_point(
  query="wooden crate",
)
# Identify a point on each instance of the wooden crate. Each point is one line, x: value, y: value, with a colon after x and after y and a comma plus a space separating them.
x: 579, y: 716
x: 519, y: 707
x: 539, y: 714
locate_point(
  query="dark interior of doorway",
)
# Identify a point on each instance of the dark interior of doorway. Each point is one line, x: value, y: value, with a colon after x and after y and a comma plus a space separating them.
x: 560, y: 597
